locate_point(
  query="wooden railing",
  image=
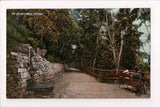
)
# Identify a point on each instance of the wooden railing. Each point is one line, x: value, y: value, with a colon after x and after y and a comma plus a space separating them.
x: 106, y: 74
x: 106, y: 70
x: 100, y: 74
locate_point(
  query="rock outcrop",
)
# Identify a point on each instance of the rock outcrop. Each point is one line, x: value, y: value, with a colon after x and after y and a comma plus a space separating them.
x: 31, y: 68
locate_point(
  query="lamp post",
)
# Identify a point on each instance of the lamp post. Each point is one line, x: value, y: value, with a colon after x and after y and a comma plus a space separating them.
x: 74, y: 48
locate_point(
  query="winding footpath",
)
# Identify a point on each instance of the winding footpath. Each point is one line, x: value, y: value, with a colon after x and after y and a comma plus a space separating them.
x: 81, y: 85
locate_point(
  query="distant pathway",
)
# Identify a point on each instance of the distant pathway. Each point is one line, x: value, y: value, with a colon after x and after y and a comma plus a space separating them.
x: 81, y: 85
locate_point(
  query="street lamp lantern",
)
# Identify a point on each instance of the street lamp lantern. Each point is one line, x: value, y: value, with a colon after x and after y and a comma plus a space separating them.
x: 73, y: 47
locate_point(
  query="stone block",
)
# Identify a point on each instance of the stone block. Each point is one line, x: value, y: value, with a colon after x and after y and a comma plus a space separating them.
x: 19, y: 56
x: 21, y: 70
x: 14, y: 94
x: 20, y: 95
x: 17, y: 88
x: 11, y: 88
x: 26, y: 61
x: 24, y: 85
x: 10, y: 79
x: 25, y: 57
x: 33, y: 63
x: 11, y: 83
x: 14, y: 53
x: 23, y: 81
x: 25, y: 65
x: 13, y: 70
x: 18, y: 77
x: 19, y: 60
x: 25, y: 75
x: 21, y: 65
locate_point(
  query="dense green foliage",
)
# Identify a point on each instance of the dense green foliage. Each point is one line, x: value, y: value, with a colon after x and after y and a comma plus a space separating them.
x: 57, y: 29
x: 92, y: 21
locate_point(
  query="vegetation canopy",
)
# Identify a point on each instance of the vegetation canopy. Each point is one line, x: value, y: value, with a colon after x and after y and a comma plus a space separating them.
x: 104, y: 38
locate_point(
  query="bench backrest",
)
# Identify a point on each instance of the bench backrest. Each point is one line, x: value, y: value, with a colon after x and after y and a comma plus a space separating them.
x: 125, y: 78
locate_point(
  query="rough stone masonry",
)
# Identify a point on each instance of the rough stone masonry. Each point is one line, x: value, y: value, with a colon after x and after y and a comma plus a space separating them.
x: 30, y: 68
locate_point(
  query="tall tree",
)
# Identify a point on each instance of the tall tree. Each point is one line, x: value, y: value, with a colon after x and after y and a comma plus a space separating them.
x: 91, y: 22
x: 119, y: 27
x: 52, y: 29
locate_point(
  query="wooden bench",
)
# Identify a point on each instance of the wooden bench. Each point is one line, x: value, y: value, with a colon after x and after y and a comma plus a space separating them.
x: 134, y: 83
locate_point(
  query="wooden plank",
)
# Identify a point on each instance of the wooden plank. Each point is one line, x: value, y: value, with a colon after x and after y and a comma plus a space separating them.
x: 88, y: 70
x: 131, y: 71
x: 105, y: 70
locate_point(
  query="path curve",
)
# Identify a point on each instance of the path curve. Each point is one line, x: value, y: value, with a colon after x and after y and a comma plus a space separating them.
x: 81, y: 85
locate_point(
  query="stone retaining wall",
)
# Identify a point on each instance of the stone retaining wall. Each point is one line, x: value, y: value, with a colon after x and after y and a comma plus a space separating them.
x: 28, y: 68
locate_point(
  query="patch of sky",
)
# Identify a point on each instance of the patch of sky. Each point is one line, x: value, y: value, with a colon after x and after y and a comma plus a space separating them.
x: 115, y: 10
x: 145, y: 29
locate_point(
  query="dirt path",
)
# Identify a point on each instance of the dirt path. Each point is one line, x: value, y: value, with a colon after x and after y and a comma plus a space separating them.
x: 81, y: 85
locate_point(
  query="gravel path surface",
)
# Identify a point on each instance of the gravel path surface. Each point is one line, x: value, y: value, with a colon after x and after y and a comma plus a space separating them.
x: 81, y: 85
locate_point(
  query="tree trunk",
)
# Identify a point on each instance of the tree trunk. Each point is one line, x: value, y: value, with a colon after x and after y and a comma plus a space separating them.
x: 112, y: 41
x: 94, y: 61
x: 66, y: 51
x: 61, y: 50
x: 120, y: 53
x: 41, y: 39
x: 116, y: 54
